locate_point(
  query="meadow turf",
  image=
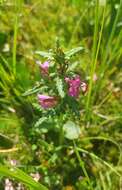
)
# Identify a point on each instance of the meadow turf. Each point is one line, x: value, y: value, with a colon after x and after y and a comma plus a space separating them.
x: 34, y: 138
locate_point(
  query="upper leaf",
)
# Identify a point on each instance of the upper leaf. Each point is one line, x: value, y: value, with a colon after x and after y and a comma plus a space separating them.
x: 73, y: 51
x: 48, y: 55
x: 59, y: 85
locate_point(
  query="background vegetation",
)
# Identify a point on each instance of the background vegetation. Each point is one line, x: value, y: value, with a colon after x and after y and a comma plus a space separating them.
x: 93, y: 160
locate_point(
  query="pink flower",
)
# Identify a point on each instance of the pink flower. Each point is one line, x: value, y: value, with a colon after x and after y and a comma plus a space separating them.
x: 74, y: 86
x: 44, y: 67
x: 47, y: 101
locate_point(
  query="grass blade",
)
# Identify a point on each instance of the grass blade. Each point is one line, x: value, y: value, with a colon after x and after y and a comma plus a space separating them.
x: 21, y: 176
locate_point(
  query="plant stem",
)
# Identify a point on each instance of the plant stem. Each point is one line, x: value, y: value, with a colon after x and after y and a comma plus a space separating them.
x: 101, y: 160
x: 82, y: 165
x: 15, y: 44
x: 61, y: 135
x: 93, y: 59
x: 96, y: 49
x: 107, y: 49
x: 18, y: 5
x: 106, y: 52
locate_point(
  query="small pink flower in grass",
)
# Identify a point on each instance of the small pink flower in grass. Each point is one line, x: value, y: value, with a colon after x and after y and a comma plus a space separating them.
x: 44, y: 67
x: 8, y: 184
x: 74, y: 86
x: 36, y: 176
x: 47, y: 101
x: 13, y: 162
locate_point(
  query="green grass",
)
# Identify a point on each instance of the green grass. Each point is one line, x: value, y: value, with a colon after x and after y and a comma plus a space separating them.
x: 21, y: 176
x: 94, y: 161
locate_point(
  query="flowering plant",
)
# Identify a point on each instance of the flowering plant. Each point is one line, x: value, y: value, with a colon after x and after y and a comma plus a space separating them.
x: 59, y: 91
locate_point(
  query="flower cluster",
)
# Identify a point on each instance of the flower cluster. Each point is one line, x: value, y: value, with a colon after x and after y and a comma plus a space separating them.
x: 74, y: 87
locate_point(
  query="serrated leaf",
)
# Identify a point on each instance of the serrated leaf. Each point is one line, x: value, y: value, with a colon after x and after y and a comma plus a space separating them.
x: 71, y: 130
x: 73, y: 51
x: 59, y: 85
x: 32, y: 91
x: 44, y: 54
x: 72, y: 66
x: 37, y: 107
x: 43, y: 125
x: 40, y: 121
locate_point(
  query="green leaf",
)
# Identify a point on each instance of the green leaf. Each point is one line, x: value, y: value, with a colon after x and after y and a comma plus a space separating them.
x: 32, y: 91
x: 21, y: 176
x: 40, y: 121
x: 74, y: 51
x: 43, y: 125
x: 36, y: 89
x: 59, y: 85
x: 3, y: 38
x: 71, y: 130
x: 72, y: 66
x: 48, y: 55
x: 5, y: 142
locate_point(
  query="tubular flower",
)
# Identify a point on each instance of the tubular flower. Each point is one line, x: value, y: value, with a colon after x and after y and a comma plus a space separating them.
x: 44, y: 68
x: 47, y: 101
x: 74, y: 86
